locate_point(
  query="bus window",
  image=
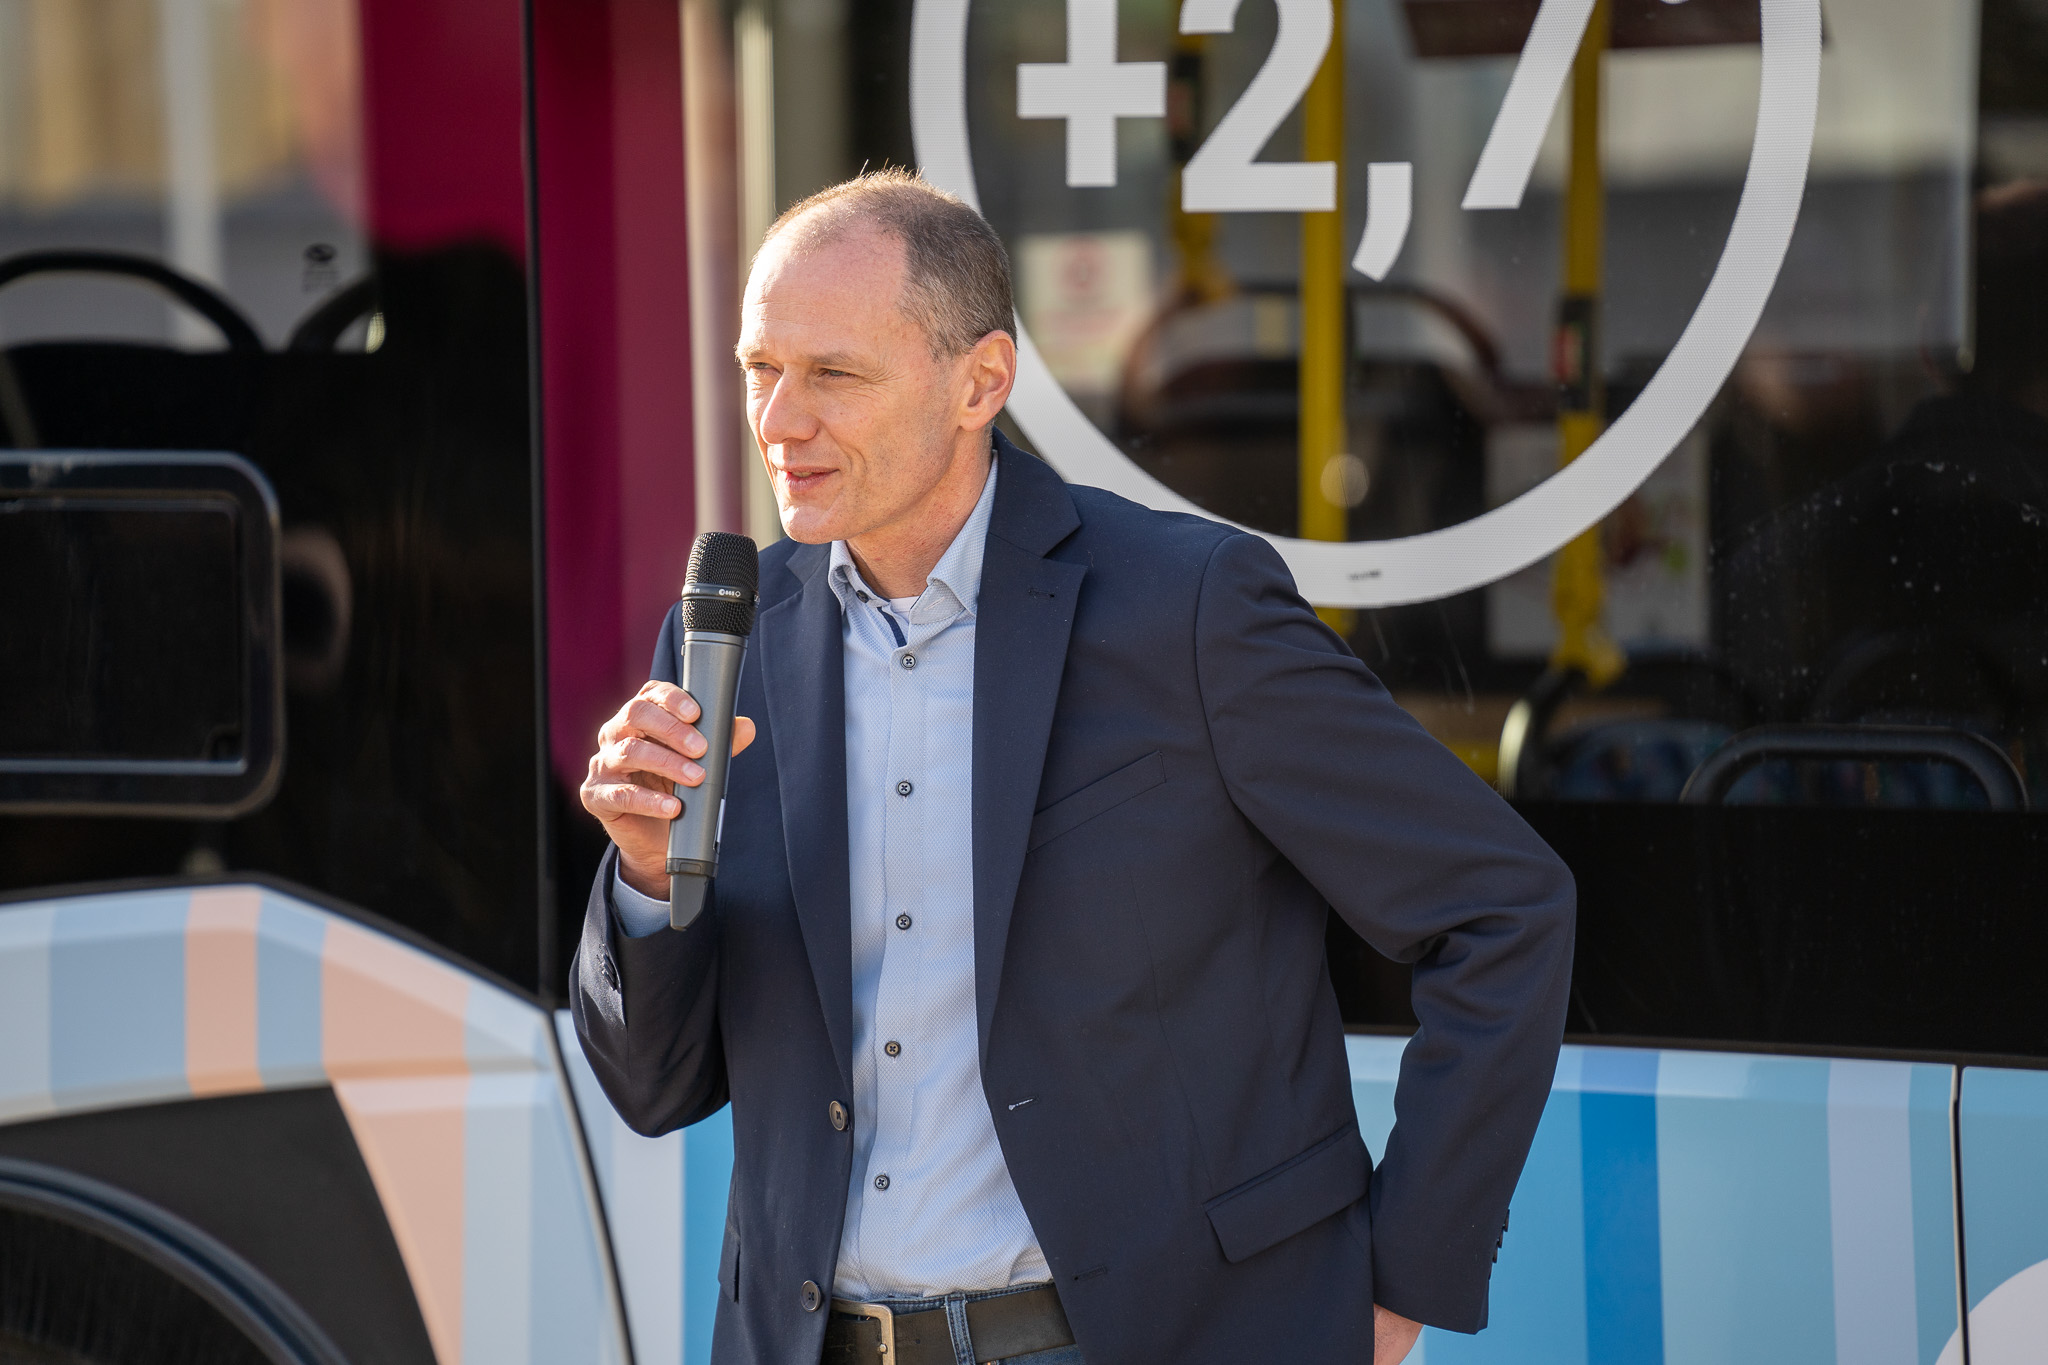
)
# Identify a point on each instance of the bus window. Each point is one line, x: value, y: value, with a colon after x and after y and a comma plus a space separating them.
x: 1743, y: 578
x: 1376, y: 297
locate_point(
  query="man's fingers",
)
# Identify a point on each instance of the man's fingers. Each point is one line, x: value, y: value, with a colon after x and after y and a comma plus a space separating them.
x: 645, y: 717
x: 625, y: 757
x: 673, y: 700
x: 613, y: 799
x: 650, y: 736
x: 1393, y: 1336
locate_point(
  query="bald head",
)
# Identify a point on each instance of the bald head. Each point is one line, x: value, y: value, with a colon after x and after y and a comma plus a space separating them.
x: 955, y: 285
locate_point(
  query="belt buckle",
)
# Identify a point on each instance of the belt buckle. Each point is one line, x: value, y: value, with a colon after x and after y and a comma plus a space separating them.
x: 884, y: 1319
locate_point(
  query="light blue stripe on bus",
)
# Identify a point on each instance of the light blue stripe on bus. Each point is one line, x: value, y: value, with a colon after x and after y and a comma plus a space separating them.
x: 2005, y: 1175
x: 641, y: 1181
x: 25, y: 1011
x: 1537, y: 1303
x: 1870, y: 1202
x: 117, y: 998
x: 707, y: 1179
x: 1375, y: 1067
x: 1619, y: 1150
x: 571, y: 1317
x: 1742, y: 1181
x: 497, y: 1220
x: 288, y: 943
x: 1934, y: 1205
x: 501, y: 1031
x: 647, y: 1238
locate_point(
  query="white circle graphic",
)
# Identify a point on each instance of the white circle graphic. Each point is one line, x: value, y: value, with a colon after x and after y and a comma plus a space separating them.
x: 2010, y: 1325
x: 1381, y: 573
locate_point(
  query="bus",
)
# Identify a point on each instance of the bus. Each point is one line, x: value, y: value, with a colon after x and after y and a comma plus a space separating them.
x: 1653, y: 393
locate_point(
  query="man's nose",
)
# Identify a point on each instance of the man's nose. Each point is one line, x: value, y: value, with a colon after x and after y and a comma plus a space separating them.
x: 783, y: 415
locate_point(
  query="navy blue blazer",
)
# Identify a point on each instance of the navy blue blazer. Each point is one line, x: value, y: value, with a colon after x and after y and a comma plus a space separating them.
x: 1178, y: 771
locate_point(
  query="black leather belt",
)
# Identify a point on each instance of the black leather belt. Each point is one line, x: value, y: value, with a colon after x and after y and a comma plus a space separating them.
x: 1000, y: 1327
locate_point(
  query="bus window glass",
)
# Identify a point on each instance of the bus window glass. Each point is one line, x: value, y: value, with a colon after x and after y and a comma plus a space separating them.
x: 1844, y: 537
x: 1848, y: 544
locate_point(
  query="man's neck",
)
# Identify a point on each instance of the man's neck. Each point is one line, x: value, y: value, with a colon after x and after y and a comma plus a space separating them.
x: 897, y: 560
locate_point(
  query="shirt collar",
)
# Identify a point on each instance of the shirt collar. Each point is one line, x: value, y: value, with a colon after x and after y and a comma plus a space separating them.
x: 954, y: 584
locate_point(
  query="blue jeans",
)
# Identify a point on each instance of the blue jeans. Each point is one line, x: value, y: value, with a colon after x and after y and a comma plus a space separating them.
x: 956, y: 1319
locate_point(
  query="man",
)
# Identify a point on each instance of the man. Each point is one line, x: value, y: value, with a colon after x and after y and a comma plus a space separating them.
x: 1014, y: 969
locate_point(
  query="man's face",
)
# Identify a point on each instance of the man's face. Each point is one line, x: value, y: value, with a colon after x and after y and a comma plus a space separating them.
x: 857, y: 421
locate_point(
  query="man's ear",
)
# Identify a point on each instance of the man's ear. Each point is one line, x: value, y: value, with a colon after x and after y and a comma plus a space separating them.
x: 990, y: 372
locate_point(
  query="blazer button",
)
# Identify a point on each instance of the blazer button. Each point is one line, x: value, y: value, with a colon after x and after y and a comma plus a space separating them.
x: 811, y: 1297
x: 837, y: 1113
x: 609, y: 970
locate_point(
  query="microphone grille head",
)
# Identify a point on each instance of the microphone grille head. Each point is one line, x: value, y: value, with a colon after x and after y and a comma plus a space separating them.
x: 723, y: 581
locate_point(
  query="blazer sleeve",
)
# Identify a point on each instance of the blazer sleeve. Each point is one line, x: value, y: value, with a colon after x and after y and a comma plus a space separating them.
x: 646, y: 1009
x: 1430, y: 866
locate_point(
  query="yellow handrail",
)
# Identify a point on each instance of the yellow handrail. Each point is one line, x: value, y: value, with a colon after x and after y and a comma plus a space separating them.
x: 1577, y: 589
x: 1324, y: 335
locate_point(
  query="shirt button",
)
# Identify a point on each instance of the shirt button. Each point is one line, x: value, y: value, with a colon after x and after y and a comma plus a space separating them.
x: 903, y: 921
x: 904, y: 789
x: 861, y: 595
x: 837, y: 1113
x: 810, y: 1297
x: 881, y: 1182
x: 910, y: 661
x: 893, y: 1048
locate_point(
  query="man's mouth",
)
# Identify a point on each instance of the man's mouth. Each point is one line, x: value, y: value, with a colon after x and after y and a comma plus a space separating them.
x: 795, y: 479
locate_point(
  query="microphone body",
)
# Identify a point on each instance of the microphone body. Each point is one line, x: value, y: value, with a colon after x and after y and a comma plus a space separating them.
x: 718, y: 616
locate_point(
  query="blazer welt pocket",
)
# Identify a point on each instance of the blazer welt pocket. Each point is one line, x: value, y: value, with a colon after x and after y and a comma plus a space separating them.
x: 1297, y: 1194
x: 1100, y: 796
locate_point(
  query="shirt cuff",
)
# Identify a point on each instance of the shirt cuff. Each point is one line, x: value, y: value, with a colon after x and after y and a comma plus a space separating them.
x: 638, y: 915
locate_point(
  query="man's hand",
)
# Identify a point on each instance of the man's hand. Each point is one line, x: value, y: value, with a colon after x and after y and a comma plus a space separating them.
x: 1393, y: 1336
x: 642, y: 752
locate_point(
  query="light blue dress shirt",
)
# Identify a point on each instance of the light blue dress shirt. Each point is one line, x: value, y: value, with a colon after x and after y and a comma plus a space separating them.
x: 930, y: 1208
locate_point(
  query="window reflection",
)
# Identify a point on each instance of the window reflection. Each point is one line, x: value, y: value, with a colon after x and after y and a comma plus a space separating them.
x: 220, y: 137
x: 1912, y: 587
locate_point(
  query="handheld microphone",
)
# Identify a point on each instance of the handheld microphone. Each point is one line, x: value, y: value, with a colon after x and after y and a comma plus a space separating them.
x: 719, y: 593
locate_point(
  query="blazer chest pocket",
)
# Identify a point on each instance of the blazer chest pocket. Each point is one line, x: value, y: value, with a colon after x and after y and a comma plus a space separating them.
x: 1297, y: 1194
x: 1097, y: 798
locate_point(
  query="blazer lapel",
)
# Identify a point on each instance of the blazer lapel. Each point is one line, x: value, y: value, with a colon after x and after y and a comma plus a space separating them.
x: 1023, y: 619
x: 803, y: 672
